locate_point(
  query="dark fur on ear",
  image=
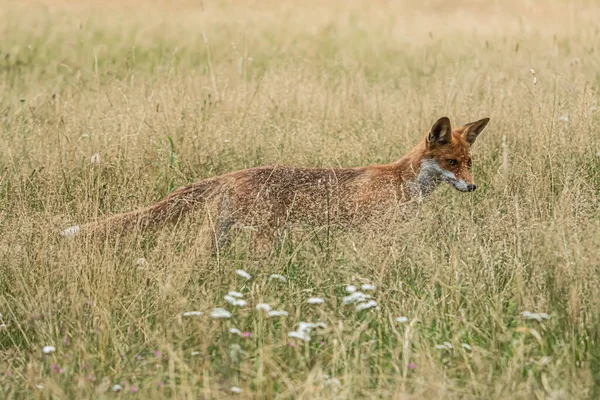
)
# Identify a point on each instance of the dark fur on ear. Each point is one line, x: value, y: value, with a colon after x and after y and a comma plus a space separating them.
x: 441, y: 132
x: 473, y: 129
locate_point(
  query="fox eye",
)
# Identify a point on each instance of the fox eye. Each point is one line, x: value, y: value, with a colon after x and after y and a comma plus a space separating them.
x: 451, y: 162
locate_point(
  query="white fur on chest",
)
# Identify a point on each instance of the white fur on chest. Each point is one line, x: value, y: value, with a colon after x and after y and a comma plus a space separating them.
x: 428, y: 179
x: 430, y: 176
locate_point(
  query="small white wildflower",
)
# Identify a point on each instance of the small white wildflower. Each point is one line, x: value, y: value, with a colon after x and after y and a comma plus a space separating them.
x: 226, y: 141
x: 368, y: 286
x: 537, y: 316
x: 40, y: 387
x: 315, y: 300
x: 48, y: 349
x: 402, y: 319
x: 308, y: 326
x: 236, y: 302
x: 444, y: 346
x: 350, y: 288
x: 333, y: 382
x: 192, y: 313
x: 466, y: 346
x: 220, y: 313
x: 263, y: 307
x: 278, y: 313
x: 95, y: 159
x: 356, y: 297
x: 140, y: 262
x: 116, y: 388
x: 236, y: 389
x: 366, y: 305
x: 70, y: 231
x: 563, y: 118
x: 235, y: 331
x: 233, y: 293
x: 300, y: 335
x: 279, y: 277
x: 243, y: 274
x: 532, y: 71
x: 195, y: 353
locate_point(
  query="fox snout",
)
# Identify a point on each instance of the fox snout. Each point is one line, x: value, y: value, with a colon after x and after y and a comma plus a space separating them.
x: 459, y: 184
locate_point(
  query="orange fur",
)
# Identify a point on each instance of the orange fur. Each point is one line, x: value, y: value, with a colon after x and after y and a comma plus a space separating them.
x: 269, y: 197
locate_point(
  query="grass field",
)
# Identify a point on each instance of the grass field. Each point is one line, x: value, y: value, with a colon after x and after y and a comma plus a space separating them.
x: 107, y: 107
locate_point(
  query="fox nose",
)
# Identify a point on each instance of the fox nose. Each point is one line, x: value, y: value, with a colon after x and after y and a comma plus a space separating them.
x: 471, y: 187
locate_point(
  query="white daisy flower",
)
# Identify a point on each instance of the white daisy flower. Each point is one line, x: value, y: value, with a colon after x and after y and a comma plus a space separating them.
x: 243, y: 274
x: 350, y: 288
x: 333, y: 382
x: 236, y: 389
x: 195, y: 353
x: 356, y: 297
x: 367, y: 286
x: 315, y: 300
x: 116, y: 388
x: 48, y: 349
x: 366, y: 305
x: 192, y: 313
x: 537, y: 316
x: 70, y: 231
x: 466, y: 346
x: 401, y: 319
x: 278, y: 313
x: 308, y: 326
x: 235, y: 331
x: 444, y: 346
x: 278, y: 277
x: 236, y: 302
x: 220, y: 313
x: 300, y: 335
x: 263, y: 307
x: 233, y: 293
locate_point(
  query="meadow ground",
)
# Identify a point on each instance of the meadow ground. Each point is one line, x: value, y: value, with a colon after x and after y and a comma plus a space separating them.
x: 108, y: 107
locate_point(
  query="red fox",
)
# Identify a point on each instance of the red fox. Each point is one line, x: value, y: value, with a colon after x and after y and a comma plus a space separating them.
x: 268, y: 198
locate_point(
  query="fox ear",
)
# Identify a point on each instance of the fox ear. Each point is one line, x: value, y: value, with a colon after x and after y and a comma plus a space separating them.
x: 440, y: 132
x: 473, y: 129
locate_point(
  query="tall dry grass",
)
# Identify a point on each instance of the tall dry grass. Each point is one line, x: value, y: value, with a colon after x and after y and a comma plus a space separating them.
x: 168, y: 93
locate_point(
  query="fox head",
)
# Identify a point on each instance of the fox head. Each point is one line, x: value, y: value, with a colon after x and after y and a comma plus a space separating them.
x: 448, y: 152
